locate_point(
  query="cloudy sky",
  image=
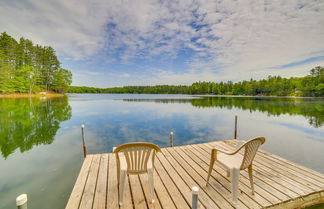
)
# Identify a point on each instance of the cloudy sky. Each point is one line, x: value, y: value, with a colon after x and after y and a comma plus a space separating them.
x: 109, y: 43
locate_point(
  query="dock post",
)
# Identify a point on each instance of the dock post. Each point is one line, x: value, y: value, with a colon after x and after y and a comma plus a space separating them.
x: 21, y: 201
x: 235, y: 129
x: 195, y: 191
x: 84, y: 146
x: 171, y: 138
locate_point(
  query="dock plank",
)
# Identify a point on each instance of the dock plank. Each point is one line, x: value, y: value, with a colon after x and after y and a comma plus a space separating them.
x: 162, y: 194
x: 137, y: 192
x: 184, y: 187
x: 77, y: 191
x: 145, y: 186
x: 100, y: 193
x: 89, y: 190
x: 169, y: 184
x: 201, y: 182
x: 112, y: 189
x: 128, y: 200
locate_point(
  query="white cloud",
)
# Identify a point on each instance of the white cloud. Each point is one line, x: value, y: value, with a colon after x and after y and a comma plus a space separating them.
x: 242, y: 39
x: 229, y: 39
x: 74, y: 28
x: 126, y: 75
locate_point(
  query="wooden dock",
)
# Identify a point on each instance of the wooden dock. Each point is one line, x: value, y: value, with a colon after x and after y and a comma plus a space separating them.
x: 278, y: 183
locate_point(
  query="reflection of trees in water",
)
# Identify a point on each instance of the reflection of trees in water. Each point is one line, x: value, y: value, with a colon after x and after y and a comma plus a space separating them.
x: 28, y: 122
x: 311, y: 108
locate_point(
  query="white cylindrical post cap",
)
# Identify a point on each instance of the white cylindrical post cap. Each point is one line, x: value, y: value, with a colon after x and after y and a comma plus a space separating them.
x: 171, y: 132
x: 82, y: 126
x: 195, y: 190
x: 21, y: 199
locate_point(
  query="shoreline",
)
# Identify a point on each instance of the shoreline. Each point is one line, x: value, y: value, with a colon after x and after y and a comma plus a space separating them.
x: 213, y: 95
x: 26, y: 95
x: 262, y: 96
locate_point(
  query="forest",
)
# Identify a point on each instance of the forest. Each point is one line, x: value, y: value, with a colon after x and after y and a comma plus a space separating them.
x: 310, y: 85
x: 29, y: 68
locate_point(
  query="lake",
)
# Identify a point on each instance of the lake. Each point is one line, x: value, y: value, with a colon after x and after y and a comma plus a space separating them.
x: 41, y: 146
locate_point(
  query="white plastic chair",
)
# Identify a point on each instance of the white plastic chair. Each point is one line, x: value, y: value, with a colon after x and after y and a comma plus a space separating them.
x: 135, y: 158
x: 234, y: 162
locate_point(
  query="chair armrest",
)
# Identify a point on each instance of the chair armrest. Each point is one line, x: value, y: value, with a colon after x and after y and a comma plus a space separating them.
x: 239, y: 143
x: 220, y: 149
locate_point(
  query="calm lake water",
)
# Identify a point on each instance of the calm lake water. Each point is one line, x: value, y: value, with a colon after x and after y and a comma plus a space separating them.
x: 41, y: 147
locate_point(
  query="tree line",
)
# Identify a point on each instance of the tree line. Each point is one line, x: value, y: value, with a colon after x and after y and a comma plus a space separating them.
x: 310, y: 85
x: 29, y: 68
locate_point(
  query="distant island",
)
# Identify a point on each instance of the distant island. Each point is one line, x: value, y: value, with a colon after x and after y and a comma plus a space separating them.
x: 311, y: 85
x: 29, y: 69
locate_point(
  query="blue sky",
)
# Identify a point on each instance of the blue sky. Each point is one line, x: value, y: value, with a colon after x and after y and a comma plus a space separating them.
x: 109, y: 43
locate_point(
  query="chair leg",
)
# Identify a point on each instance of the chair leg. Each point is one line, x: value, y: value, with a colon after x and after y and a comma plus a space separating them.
x: 211, y: 164
x: 151, y: 183
x: 122, y: 186
x: 235, y: 183
x: 251, y: 178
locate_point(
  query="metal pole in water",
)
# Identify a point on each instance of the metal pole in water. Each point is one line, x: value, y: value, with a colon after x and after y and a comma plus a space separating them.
x: 171, y: 138
x: 195, y: 191
x: 21, y: 201
x: 235, y: 130
x: 84, y: 146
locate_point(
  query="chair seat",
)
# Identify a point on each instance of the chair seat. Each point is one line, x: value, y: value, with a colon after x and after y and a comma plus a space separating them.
x: 230, y: 161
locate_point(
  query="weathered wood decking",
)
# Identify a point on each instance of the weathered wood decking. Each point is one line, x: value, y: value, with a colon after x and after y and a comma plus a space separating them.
x: 278, y: 182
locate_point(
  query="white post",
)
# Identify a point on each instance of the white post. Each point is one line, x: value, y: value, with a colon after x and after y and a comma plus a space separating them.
x: 21, y: 201
x: 195, y: 191
x: 171, y: 138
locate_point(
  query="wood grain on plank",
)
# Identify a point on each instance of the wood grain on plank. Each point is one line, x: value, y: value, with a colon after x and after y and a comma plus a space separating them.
x: 101, y: 189
x: 162, y: 193
x: 145, y: 185
x: 137, y: 192
x: 203, y: 196
x: 78, y: 188
x: 173, y: 190
x: 112, y: 190
x: 89, y: 190
x: 216, y: 195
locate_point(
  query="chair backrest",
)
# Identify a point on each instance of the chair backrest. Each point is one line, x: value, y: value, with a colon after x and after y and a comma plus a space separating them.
x: 250, y: 149
x: 137, y: 156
